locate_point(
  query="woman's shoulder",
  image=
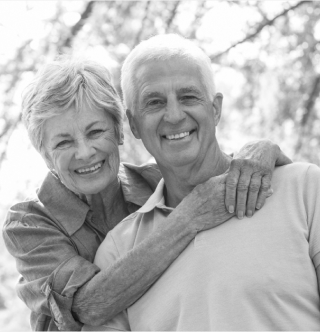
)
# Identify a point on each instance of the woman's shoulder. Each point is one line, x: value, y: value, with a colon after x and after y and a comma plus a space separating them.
x: 148, y: 172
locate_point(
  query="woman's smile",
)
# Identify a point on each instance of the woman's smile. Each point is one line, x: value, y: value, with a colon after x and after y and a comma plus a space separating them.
x: 91, y: 169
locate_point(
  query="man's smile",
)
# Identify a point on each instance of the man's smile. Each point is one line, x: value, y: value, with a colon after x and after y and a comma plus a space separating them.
x: 179, y: 135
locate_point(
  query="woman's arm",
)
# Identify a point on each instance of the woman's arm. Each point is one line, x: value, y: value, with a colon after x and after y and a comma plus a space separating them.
x: 202, y: 209
x: 51, y: 268
x: 60, y: 283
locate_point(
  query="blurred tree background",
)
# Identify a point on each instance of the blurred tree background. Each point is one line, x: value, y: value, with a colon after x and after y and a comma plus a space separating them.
x: 265, y: 54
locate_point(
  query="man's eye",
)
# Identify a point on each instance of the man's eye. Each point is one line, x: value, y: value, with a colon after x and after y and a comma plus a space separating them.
x: 154, y: 102
x: 189, y: 98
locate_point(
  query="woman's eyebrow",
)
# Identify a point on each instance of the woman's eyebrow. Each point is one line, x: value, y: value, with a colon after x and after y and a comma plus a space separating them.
x: 91, y: 125
x: 60, y: 135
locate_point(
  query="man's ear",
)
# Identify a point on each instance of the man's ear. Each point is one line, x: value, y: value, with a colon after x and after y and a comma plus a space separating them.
x: 217, y: 105
x: 132, y: 124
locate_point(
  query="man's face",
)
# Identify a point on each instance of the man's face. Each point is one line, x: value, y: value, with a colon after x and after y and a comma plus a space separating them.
x: 173, y: 114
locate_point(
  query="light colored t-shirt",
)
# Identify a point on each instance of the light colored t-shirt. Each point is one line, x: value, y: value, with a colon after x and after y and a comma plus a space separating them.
x: 258, y: 273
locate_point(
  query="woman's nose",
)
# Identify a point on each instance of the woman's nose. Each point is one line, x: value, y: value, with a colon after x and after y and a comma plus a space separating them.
x: 84, y: 150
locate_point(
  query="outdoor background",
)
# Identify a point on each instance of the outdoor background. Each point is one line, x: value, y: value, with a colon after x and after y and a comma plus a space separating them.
x: 265, y: 54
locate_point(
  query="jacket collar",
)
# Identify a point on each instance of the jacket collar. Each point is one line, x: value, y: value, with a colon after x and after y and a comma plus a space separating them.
x: 71, y: 212
x: 62, y: 203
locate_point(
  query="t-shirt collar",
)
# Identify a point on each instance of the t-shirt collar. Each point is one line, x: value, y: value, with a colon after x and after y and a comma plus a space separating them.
x: 156, y: 200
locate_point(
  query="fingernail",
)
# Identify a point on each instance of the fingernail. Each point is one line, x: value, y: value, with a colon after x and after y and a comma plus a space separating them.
x: 258, y: 206
x: 249, y: 214
x: 240, y: 214
x: 231, y: 209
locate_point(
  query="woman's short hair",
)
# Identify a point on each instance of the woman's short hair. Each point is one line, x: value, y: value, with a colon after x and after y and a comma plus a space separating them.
x: 64, y: 83
x: 163, y: 47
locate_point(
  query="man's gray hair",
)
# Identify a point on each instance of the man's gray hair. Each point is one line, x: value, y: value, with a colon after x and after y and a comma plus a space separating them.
x: 163, y: 47
x: 65, y: 83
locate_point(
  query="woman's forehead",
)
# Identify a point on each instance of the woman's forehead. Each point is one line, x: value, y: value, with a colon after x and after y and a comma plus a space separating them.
x: 75, y: 120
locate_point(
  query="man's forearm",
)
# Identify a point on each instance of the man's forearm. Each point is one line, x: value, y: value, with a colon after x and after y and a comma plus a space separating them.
x: 114, y: 289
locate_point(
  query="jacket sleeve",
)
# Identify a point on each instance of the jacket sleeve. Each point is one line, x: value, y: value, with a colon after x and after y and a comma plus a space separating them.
x: 51, y: 268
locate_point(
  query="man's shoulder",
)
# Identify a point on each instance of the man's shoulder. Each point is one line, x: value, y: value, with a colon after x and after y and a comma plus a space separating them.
x: 296, y: 170
x: 296, y: 177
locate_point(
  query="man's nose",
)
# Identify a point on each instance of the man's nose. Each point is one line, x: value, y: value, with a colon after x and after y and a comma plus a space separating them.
x: 174, y: 112
x: 84, y: 150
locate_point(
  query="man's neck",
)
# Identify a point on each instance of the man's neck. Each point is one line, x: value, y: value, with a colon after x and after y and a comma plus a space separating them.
x: 180, y: 181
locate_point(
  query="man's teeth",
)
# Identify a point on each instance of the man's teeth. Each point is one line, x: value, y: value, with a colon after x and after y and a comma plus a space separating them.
x: 89, y: 169
x: 177, y: 136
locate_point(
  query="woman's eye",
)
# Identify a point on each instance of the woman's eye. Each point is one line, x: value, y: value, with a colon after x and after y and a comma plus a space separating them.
x: 95, y: 132
x: 63, y: 144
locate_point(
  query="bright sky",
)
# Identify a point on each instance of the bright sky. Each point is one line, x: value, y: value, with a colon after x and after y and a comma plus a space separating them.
x: 23, y: 20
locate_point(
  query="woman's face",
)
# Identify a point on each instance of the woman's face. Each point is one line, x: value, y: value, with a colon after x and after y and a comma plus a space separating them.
x: 82, y: 149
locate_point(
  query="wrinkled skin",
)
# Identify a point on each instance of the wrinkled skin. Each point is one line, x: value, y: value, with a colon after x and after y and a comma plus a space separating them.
x: 249, y: 176
x: 246, y: 185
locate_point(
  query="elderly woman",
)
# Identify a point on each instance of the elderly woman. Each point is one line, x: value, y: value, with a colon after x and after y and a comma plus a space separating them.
x: 74, y: 119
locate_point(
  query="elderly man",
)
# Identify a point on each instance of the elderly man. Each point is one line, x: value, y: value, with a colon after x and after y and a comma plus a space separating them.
x: 255, y: 274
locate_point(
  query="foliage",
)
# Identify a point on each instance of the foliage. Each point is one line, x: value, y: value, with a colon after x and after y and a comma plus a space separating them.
x: 265, y: 55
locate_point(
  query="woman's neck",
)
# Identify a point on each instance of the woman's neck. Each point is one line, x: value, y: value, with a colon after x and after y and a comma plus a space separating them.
x: 109, y: 203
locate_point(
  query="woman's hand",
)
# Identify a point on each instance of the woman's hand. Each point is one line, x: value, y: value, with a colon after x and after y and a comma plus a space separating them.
x: 249, y: 176
x: 204, y: 207
x: 241, y: 190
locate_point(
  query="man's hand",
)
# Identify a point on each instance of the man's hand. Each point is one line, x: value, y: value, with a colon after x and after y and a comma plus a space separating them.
x: 204, y: 207
x: 249, y: 176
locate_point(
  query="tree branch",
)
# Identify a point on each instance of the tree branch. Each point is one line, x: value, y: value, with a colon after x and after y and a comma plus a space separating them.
x: 173, y: 13
x: 260, y: 27
x: 79, y: 25
x: 143, y: 23
x: 5, y: 136
x: 314, y: 94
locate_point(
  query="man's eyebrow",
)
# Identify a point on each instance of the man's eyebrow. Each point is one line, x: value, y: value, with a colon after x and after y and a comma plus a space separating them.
x: 189, y: 89
x: 151, y: 94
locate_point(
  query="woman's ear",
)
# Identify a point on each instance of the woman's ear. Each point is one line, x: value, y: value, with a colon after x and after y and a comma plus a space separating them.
x: 47, y: 159
x: 217, y: 106
x: 121, y: 134
x: 132, y: 124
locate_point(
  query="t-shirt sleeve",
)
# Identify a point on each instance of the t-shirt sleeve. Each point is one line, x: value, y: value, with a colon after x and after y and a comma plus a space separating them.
x: 312, y: 204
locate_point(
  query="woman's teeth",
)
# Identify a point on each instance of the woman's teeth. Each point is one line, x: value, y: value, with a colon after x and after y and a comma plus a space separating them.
x: 89, y: 169
x: 177, y: 136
